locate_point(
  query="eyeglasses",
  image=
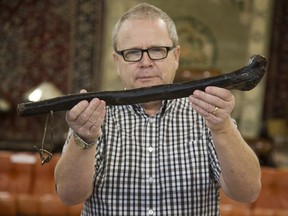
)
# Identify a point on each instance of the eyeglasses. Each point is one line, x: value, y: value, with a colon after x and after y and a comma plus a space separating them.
x: 154, y: 53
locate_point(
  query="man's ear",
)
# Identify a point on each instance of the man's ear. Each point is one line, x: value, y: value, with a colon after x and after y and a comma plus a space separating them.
x: 116, y: 59
x: 115, y: 56
x: 177, y: 55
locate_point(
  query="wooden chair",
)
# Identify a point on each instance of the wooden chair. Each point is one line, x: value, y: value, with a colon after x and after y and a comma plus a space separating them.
x: 5, y: 170
x: 266, y: 199
x: 281, y: 212
x: 7, y: 204
x: 263, y: 212
x: 281, y: 184
x: 27, y: 205
x: 75, y: 210
x: 22, y: 168
x: 50, y: 204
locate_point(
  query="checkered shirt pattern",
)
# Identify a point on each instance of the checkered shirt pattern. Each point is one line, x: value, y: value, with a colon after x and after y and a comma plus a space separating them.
x: 160, y: 165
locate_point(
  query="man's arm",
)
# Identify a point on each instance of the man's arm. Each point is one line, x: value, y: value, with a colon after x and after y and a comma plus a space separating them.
x: 240, y: 169
x: 74, y: 172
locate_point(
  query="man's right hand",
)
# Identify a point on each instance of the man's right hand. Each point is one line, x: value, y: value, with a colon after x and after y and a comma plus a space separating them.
x: 86, y: 118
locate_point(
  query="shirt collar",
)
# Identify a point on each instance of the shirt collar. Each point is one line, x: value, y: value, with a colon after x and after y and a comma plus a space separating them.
x: 166, y: 105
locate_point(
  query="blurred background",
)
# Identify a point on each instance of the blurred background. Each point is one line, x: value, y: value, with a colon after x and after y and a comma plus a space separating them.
x: 50, y: 48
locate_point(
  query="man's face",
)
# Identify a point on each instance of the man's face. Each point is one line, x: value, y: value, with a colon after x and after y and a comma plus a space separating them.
x: 144, y: 34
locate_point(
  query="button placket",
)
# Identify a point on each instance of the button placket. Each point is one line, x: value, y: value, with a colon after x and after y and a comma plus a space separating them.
x: 150, y: 149
x: 151, y: 120
x: 150, y: 212
x: 151, y: 180
x: 151, y: 143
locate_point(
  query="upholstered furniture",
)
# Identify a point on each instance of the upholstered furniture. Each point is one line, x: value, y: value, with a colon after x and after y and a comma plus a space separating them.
x: 273, y: 199
x: 27, y: 188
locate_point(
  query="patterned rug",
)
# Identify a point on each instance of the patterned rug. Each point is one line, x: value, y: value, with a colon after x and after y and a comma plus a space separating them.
x: 44, y: 40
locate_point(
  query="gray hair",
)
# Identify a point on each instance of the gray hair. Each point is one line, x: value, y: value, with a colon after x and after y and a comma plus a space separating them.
x: 145, y: 11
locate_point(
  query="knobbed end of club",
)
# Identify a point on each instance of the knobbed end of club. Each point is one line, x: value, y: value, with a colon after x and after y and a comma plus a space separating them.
x: 252, y: 74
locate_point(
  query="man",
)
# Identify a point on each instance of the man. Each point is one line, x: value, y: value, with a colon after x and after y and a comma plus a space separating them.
x: 158, y: 158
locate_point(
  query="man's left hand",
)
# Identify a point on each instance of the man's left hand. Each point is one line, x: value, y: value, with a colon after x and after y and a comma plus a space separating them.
x: 215, y: 105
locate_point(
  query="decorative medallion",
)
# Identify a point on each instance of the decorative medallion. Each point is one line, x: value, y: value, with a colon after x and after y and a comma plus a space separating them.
x: 198, y: 44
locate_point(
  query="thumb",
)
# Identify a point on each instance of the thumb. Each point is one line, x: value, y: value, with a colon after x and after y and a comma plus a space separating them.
x: 83, y: 91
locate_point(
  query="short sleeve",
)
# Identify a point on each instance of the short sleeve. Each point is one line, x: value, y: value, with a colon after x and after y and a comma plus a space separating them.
x: 214, y: 162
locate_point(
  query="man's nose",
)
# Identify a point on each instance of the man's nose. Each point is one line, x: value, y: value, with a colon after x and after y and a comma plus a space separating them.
x: 146, y: 59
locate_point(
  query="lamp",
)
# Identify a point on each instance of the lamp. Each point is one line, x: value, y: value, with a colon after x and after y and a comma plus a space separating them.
x: 45, y: 90
x: 4, y: 105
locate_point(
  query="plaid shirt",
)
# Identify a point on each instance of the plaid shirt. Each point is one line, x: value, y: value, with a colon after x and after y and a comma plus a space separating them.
x: 160, y: 165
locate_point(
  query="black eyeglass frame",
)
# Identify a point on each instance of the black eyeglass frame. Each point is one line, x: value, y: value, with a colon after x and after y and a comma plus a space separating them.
x: 168, y: 48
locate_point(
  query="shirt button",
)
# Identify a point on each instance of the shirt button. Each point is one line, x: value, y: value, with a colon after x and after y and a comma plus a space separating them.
x: 150, y: 149
x: 151, y: 120
x: 150, y: 212
x: 151, y: 180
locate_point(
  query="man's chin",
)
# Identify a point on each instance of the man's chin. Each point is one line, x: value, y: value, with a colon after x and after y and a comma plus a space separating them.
x: 147, y: 83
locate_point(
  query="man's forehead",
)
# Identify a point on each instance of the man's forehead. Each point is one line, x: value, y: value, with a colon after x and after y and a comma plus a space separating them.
x: 144, y: 30
x: 131, y: 23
